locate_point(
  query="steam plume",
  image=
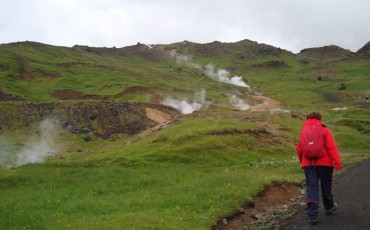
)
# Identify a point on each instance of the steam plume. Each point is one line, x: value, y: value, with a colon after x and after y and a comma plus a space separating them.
x: 238, y: 103
x: 36, y: 148
x: 220, y: 75
x: 184, y: 59
x: 223, y: 76
x: 186, y: 107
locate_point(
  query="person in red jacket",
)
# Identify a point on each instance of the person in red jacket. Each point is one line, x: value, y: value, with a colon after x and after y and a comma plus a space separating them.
x: 319, y: 171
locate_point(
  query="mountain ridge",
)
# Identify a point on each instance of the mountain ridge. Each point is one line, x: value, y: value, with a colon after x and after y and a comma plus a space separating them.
x: 245, y: 42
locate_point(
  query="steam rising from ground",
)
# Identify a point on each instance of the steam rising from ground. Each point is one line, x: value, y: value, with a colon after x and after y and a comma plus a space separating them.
x: 36, y: 149
x: 184, y: 59
x: 185, y: 106
x: 238, y: 103
x: 220, y: 75
x: 223, y: 76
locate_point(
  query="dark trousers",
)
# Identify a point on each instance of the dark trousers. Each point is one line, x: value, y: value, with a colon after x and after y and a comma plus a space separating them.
x: 314, y: 174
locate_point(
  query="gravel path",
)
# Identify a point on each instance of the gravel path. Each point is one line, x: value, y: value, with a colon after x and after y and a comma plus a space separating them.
x: 351, y: 191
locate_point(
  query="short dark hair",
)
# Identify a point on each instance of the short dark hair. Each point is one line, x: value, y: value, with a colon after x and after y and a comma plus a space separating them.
x: 314, y: 115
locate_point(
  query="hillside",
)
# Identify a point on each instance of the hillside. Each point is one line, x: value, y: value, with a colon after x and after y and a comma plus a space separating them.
x: 100, y: 119
x: 364, y: 51
x: 165, y: 136
x: 147, y: 73
x: 39, y: 72
x: 326, y: 53
x: 186, y: 76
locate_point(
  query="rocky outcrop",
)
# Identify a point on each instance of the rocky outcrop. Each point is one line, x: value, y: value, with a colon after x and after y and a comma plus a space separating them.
x: 9, y: 97
x: 364, y: 51
x: 101, y: 119
x: 325, y: 53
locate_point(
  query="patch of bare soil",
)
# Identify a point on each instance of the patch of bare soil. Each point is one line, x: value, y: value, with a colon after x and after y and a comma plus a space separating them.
x: 157, y: 116
x: 9, y: 97
x: 271, y: 64
x: 276, y: 198
x: 156, y: 99
x: 26, y: 75
x: 164, y: 120
x: 254, y: 132
x: 135, y: 89
x: 75, y: 95
x: 266, y: 105
x: 339, y: 108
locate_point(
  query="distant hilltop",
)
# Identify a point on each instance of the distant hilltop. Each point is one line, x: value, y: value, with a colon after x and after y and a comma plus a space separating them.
x: 217, y: 46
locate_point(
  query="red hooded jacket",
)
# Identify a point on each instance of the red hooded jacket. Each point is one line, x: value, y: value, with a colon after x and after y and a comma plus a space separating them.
x: 331, y: 156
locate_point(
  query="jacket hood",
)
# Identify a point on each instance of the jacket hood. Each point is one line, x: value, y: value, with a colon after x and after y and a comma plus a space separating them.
x: 312, y: 121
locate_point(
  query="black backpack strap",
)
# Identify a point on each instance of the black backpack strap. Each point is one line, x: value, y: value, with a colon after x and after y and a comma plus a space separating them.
x: 314, y: 163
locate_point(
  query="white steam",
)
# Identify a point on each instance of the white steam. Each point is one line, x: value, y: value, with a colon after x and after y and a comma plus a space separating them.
x: 238, y: 103
x: 220, y: 75
x: 180, y: 58
x: 149, y: 46
x: 223, y: 76
x: 184, y: 59
x: 185, y: 106
x: 36, y: 148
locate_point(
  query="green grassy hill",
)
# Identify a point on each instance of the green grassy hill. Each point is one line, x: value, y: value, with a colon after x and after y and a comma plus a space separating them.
x: 115, y: 158
x: 44, y: 73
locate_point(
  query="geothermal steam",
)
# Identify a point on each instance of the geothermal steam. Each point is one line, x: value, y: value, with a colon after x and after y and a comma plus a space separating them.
x: 185, y: 106
x: 184, y: 59
x: 35, y: 150
x: 238, y: 103
x: 220, y: 75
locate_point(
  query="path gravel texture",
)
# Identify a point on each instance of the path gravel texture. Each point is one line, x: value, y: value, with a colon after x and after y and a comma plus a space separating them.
x: 351, y: 191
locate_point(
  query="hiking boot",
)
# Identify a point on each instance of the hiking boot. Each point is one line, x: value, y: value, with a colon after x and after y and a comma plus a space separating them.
x: 314, y: 222
x: 329, y: 211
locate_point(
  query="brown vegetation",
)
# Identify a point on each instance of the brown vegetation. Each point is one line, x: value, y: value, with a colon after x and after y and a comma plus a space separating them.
x: 75, y: 95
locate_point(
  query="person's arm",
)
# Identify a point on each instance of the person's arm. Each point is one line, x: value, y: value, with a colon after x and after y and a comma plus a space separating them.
x: 299, y: 150
x: 332, y: 150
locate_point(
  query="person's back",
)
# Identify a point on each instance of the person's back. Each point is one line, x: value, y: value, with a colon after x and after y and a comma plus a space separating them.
x: 320, y: 170
x: 359, y: 99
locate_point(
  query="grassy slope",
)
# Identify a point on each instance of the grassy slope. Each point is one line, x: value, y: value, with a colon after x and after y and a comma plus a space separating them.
x: 183, y: 177
x: 171, y: 180
x: 103, y: 74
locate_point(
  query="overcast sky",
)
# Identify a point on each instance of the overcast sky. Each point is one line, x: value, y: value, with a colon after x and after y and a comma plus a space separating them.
x: 289, y: 24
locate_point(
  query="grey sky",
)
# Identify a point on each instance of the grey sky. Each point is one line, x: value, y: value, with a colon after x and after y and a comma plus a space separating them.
x: 288, y: 24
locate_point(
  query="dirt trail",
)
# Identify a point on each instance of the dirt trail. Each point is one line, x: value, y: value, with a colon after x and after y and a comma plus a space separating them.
x: 157, y: 116
x: 267, y: 103
x: 164, y: 120
x: 351, y: 191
